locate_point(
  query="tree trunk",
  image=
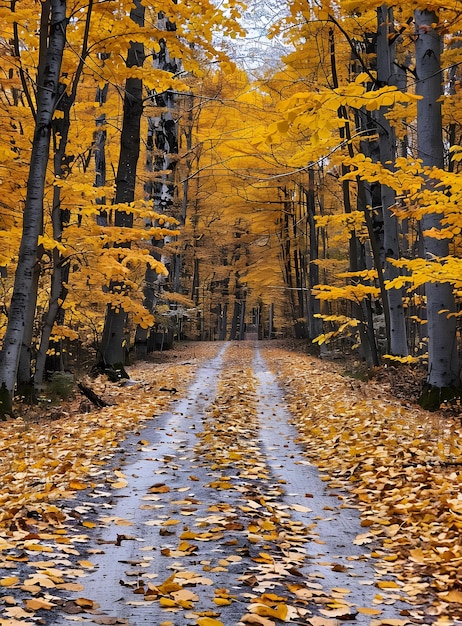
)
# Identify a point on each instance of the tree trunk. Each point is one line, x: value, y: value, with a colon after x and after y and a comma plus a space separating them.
x: 60, y: 218
x: 396, y: 323
x: 368, y: 347
x: 113, y: 348
x: 271, y: 321
x: 47, y: 97
x: 443, y: 365
x: 314, y: 321
x: 25, y: 379
x: 234, y: 321
x: 223, y: 325
x: 162, y: 146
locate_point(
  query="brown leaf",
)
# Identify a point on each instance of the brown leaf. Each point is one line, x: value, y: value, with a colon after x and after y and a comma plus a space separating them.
x: 159, y: 488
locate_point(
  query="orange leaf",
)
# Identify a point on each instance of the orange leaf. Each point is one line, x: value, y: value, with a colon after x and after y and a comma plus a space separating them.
x: 280, y: 612
x: 77, y: 484
x: 452, y: 596
x: 89, y: 524
x: 39, y: 603
x: 159, y: 488
x: 9, y: 581
x: 84, y: 603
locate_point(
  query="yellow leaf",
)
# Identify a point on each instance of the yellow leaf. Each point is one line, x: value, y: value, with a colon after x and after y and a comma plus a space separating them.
x: 209, y: 621
x: 77, y: 484
x: 387, y: 584
x: 9, y: 581
x: 452, y: 596
x: 167, y: 602
x: 367, y: 611
x: 85, y: 603
x: 39, y: 603
x: 280, y: 612
x: 222, y: 601
x: 89, y: 524
x: 36, y: 547
x: 120, y: 484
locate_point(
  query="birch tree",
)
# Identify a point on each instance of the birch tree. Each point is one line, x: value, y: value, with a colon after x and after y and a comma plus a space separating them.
x: 161, y: 158
x: 443, y: 365
x: 396, y: 326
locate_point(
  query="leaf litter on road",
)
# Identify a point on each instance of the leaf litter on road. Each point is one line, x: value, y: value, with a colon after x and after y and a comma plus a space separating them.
x: 239, y: 552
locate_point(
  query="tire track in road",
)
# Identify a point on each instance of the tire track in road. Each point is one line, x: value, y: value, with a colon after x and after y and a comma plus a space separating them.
x: 163, y: 459
x: 332, y: 557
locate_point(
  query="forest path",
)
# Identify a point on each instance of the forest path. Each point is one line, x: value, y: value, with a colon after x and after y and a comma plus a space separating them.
x: 225, y: 521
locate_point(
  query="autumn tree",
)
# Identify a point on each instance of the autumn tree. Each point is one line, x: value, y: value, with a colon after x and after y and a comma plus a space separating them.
x: 376, y: 65
x: 112, y: 349
x: 60, y: 216
x: 48, y: 95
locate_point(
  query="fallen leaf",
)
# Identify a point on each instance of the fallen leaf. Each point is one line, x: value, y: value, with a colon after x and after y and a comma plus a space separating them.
x: 252, y: 618
x: 78, y: 485
x: 9, y: 581
x: 159, y: 488
x: 39, y: 603
x: 452, y: 596
x: 367, y: 611
x: 387, y: 584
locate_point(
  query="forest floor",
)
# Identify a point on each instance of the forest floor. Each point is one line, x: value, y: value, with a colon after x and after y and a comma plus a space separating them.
x: 230, y: 484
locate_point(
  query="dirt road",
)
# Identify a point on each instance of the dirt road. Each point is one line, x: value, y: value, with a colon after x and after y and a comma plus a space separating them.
x: 224, y: 520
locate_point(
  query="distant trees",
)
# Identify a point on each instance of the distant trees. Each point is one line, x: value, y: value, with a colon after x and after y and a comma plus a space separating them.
x: 321, y: 200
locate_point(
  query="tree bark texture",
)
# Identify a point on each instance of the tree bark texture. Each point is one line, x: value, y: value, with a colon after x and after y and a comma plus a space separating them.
x: 396, y: 331
x: 162, y: 148
x: 443, y: 365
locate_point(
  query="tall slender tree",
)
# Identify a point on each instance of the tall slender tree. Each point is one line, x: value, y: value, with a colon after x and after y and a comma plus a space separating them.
x: 386, y: 75
x: 60, y: 217
x: 161, y: 159
x: 112, y: 351
x: 443, y: 364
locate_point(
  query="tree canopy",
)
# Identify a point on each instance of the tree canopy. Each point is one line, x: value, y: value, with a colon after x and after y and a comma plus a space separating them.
x: 316, y: 196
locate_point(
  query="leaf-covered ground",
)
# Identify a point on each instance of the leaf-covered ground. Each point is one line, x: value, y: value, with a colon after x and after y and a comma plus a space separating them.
x: 220, y: 533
